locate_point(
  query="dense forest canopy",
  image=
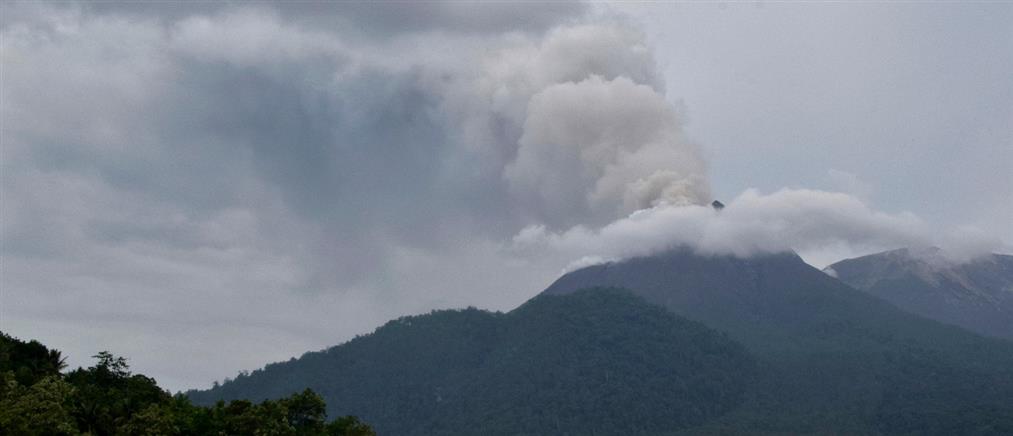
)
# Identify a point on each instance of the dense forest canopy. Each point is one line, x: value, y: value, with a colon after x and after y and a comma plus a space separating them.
x: 598, y: 362
x: 838, y: 360
x: 36, y: 398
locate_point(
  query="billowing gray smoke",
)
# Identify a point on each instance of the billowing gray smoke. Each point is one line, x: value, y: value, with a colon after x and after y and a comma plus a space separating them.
x: 597, y: 149
x: 594, y: 138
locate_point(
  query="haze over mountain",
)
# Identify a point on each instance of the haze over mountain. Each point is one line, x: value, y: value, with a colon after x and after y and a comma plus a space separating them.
x: 816, y: 356
x: 976, y: 295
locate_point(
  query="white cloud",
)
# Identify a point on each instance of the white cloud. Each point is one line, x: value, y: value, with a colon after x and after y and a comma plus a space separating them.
x: 806, y: 221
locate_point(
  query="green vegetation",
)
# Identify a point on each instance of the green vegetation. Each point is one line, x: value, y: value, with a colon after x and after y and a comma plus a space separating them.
x: 596, y: 362
x: 107, y: 399
x: 816, y: 357
x: 834, y: 359
x: 976, y: 295
x: 702, y: 345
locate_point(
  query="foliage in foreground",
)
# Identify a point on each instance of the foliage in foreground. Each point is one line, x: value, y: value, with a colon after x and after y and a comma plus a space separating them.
x: 107, y: 399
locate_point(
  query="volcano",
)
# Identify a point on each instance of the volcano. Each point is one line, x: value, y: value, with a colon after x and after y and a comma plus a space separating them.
x: 672, y: 343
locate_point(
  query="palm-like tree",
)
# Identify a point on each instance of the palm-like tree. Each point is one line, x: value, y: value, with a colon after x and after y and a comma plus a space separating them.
x: 57, y: 360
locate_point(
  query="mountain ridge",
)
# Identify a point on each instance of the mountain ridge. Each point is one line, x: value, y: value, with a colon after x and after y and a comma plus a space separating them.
x: 817, y: 357
x: 600, y: 360
x: 976, y: 295
x: 800, y: 320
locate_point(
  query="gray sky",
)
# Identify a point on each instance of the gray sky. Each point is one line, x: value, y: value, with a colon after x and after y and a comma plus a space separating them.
x: 206, y: 188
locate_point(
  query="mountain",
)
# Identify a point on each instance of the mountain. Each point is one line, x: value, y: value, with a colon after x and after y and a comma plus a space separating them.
x: 976, y: 295
x: 694, y: 345
x: 839, y: 360
x: 597, y: 361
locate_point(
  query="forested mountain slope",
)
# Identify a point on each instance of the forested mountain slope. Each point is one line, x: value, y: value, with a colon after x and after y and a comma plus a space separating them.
x: 976, y: 295
x: 761, y: 345
x: 595, y: 362
x: 839, y: 358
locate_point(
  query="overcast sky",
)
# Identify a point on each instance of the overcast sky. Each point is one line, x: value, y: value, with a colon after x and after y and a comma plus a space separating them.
x: 206, y: 188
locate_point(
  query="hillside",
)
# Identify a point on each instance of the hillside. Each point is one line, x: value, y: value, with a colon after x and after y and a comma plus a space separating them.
x: 976, y: 295
x: 816, y: 357
x: 839, y: 358
x: 594, y: 362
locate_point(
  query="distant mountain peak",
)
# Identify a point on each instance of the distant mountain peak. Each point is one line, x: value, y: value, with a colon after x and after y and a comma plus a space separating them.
x: 976, y: 294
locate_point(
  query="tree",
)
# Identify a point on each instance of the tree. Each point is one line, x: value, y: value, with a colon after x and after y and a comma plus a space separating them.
x: 307, y: 412
x: 155, y: 420
x: 348, y: 426
x: 40, y: 409
x: 107, y: 399
x: 107, y: 395
x: 29, y: 361
x: 111, y: 366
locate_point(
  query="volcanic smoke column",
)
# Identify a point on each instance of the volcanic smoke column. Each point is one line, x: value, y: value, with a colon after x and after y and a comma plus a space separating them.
x: 596, y: 150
